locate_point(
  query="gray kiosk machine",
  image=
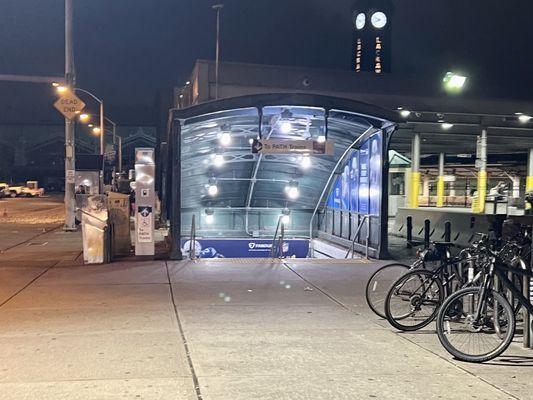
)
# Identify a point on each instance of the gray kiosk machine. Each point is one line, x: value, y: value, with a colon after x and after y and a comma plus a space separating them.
x: 144, y: 201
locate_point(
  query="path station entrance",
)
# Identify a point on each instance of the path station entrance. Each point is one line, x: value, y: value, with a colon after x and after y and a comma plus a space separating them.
x: 277, y: 174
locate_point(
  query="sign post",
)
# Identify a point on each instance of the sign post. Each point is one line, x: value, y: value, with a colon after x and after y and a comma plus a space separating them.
x: 144, y: 201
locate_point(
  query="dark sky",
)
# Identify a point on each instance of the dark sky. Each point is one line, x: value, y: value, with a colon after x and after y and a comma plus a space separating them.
x: 128, y: 49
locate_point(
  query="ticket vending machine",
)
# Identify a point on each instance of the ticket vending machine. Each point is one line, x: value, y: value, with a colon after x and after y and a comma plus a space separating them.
x: 144, y: 201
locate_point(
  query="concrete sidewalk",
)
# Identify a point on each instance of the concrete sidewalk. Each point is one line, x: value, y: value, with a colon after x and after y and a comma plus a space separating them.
x: 222, y: 329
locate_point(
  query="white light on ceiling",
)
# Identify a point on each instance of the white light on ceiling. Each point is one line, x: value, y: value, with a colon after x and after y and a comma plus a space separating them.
x: 446, y: 125
x: 321, y: 139
x: 212, y: 190
x: 292, y: 191
x: 285, y: 127
x: 225, y: 139
x: 524, y: 118
x: 218, y: 160
x: 251, y: 141
x: 405, y: 113
x: 305, y: 162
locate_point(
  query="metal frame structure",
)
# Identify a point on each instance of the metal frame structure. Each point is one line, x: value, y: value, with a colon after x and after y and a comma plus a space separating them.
x: 376, y: 118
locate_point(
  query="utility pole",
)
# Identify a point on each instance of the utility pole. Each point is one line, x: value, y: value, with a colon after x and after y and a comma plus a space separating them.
x: 217, y: 8
x: 70, y: 161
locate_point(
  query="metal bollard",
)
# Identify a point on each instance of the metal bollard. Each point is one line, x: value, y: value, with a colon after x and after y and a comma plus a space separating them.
x: 447, y: 231
x: 409, y: 231
x: 427, y: 234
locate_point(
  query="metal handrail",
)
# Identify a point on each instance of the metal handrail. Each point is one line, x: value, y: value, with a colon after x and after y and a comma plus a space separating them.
x: 192, y: 241
x: 352, y: 247
x: 276, y: 243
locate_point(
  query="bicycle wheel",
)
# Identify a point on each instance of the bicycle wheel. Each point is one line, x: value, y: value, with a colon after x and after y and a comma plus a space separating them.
x: 413, y: 300
x: 379, y: 283
x: 467, y: 340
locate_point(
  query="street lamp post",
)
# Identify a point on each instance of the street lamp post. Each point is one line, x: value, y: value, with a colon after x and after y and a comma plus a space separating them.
x: 217, y: 8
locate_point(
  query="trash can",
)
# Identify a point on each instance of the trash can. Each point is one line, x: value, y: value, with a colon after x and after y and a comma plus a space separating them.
x: 118, y: 205
x: 95, y: 232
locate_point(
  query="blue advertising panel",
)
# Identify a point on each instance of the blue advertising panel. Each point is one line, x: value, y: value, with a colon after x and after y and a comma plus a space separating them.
x: 334, y: 199
x: 363, y: 178
x: 221, y: 248
x: 354, y: 182
x: 375, y: 174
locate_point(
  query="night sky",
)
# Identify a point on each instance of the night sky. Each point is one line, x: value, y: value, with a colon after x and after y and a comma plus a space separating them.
x: 128, y: 49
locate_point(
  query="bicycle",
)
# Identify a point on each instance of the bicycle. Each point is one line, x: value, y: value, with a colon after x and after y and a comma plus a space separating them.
x: 477, y: 324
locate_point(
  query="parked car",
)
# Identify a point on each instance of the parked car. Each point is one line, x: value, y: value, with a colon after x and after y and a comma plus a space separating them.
x: 31, y: 189
x: 4, y: 190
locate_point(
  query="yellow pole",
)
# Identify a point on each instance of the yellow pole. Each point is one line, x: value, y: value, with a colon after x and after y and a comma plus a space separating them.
x: 478, y: 203
x: 415, y: 189
x: 440, y: 191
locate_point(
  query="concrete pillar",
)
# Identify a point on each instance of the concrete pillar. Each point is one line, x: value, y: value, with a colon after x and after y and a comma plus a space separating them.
x: 515, y: 192
x: 440, y: 181
x: 425, y: 186
x: 478, y: 205
x: 415, y: 171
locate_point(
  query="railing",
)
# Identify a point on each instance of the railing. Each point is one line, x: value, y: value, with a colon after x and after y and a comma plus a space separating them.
x: 192, y: 241
x: 277, y: 243
x: 356, y: 234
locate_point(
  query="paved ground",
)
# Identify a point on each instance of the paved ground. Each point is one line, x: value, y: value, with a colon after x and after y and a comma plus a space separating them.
x: 220, y: 329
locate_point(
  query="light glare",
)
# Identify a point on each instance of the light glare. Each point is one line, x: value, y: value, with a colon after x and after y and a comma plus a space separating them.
x: 285, y: 127
x: 524, y: 118
x: 225, y: 139
x: 321, y: 139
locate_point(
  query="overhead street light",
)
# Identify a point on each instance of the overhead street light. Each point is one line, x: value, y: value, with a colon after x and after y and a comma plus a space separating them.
x: 454, y: 82
x: 84, y: 117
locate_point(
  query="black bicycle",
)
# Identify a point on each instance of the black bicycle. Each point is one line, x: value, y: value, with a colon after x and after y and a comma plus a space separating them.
x: 477, y: 324
x: 414, y: 299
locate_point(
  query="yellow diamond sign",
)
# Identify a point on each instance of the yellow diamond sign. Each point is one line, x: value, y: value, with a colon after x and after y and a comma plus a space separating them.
x: 69, y: 105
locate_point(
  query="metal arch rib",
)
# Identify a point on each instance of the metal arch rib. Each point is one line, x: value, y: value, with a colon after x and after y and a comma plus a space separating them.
x: 328, y: 183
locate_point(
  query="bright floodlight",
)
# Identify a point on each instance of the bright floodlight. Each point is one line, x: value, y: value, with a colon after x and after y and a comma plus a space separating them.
x: 292, y: 190
x: 212, y: 190
x: 405, y: 113
x: 285, y: 127
x: 84, y: 117
x: 61, y: 89
x: 96, y: 130
x: 453, y: 83
x: 218, y: 160
x: 224, y: 139
x: 305, y: 162
x: 321, y: 139
x: 446, y: 125
x: 524, y: 118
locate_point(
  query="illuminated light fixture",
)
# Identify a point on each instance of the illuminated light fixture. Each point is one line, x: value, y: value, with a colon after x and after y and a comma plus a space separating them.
x: 405, y: 113
x: 285, y: 216
x: 84, y: 117
x: 285, y: 124
x: 90, y: 125
x: 292, y: 191
x: 218, y: 160
x: 212, y: 188
x: 61, y: 89
x: 187, y: 83
x: 524, y: 119
x: 224, y: 137
x: 285, y: 127
x: 446, y: 125
x: 55, y: 84
x: 251, y: 141
x: 209, y: 216
x: 305, y: 161
x: 181, y: 96
x: 453, y: 82
x: 321, y: 139
x: 96, y: 130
